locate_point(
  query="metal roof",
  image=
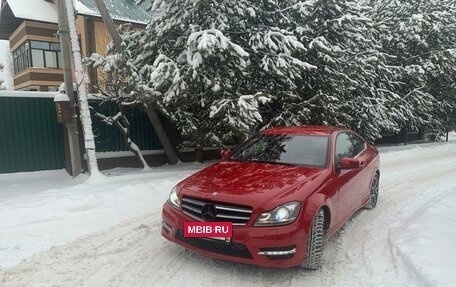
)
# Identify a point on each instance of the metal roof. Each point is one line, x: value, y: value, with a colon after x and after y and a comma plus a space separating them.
x: 41, y: 10
x: 38, y: 10
x: 122, y: 10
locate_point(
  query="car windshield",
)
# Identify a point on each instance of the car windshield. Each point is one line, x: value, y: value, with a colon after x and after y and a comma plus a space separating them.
x: 284, y: 149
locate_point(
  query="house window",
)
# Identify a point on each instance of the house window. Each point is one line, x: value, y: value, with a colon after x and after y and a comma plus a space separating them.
x: 37, y: 58
x: 51, y: 59
x: 21, y: 58
x: 39, y: 45
x: 37, y: 54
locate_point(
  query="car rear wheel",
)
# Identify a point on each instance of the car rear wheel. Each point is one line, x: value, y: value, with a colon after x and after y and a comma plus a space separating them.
x: 315, y: 242
x: 373, y: 194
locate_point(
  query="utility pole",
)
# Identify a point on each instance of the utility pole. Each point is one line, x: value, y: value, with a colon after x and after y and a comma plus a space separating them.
x: 149, y: 108
x: 84, y: 111
x: 72, y: 127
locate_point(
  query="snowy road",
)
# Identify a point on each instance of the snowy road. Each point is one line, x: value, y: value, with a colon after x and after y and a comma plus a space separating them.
x: 368, y: 251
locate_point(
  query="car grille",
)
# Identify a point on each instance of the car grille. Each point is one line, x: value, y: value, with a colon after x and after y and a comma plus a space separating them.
x: 238, y: 215
x: 215, y: 246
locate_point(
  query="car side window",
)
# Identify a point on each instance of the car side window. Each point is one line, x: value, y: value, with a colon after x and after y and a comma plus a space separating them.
x: 358, y: 143
x: 348, y: 145
x: 344, y: 147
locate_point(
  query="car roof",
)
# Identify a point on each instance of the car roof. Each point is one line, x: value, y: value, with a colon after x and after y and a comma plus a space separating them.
x: 303, y: 130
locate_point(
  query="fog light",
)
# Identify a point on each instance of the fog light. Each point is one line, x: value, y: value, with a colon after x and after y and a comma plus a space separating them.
x: 277, y: 252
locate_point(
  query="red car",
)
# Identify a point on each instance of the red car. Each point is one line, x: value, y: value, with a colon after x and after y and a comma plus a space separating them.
x: 285, y: 191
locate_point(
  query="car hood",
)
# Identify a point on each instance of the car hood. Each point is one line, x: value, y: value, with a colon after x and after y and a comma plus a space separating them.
x: 255, y: 184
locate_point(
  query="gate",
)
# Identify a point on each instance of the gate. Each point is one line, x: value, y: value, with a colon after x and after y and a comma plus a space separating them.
x: 30, y: 137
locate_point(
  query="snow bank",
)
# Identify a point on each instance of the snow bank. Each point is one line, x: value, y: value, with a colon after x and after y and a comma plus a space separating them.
x: 426, y: 242
x: 404, y: 241
x: 408, y: 149
x: 43, y: 209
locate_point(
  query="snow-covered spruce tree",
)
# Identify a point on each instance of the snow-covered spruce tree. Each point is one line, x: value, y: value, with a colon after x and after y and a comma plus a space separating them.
x: 180, y: 61
x: 210, y: 65
x: 352, y: 86
x: 421, y: 34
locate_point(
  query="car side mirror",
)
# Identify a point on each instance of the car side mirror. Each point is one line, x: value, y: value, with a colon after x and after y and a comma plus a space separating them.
x: 225, y: 152
x: 349, y: 163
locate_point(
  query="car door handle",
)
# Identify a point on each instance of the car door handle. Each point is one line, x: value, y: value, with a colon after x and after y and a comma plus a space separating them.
x: 361, y: 164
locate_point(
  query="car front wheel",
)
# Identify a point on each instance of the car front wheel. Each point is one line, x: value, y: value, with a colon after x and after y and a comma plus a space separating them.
x: 315, y: 242
x: 373, y: 194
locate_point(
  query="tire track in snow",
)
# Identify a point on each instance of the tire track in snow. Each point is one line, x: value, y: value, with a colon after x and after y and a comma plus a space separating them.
x: 133, y: 253
x: 401, y: 193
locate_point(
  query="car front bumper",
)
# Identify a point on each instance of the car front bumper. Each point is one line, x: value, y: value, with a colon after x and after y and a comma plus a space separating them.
x: 280, y: 246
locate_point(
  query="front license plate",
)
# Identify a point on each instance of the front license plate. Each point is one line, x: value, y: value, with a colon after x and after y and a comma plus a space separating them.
x: 213, y: 230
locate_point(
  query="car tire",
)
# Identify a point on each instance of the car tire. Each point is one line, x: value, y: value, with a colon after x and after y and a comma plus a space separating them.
x: 373, y: 193
x: 315, y: 242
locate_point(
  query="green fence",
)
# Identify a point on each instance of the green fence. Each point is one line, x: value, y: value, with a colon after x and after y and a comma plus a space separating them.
x: 31, y: 139
x: 109, y: 138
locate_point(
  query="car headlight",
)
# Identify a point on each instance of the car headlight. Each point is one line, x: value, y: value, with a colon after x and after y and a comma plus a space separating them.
x: 280, y: 215
x: 174, y: 198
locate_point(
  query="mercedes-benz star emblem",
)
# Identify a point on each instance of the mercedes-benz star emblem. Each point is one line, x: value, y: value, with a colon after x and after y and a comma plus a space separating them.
x: 209, y: 212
